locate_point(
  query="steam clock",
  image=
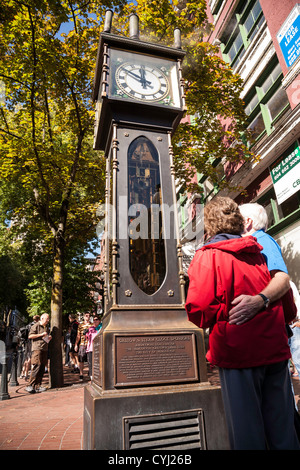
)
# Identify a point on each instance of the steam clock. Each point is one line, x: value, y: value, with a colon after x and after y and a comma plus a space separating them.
x: 149, y: 388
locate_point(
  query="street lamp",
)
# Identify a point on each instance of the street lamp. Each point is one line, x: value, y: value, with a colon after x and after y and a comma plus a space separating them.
x: 99, y: 291
x: 4, y: 395
x: 14, y: 368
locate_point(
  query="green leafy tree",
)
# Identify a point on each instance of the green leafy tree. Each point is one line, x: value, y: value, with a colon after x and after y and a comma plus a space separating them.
x: 52, y: 180
x: 12, y: 286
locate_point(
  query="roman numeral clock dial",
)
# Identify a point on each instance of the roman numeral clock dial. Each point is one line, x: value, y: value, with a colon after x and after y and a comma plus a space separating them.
x: 142, y: 82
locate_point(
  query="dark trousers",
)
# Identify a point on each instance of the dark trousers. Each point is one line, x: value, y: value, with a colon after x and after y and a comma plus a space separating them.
x: 259, y: 407
x: 90, y: 362
x: 39, y: 360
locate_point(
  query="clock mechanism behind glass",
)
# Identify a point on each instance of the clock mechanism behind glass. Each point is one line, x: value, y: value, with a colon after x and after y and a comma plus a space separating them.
x: 147, y: 257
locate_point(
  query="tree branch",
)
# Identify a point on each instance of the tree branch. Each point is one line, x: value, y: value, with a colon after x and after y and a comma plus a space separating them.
x: 49, y: 121
x: 10, y: 133
x: 7, y: 131
x: 14, y: 80
x: 43, y: 207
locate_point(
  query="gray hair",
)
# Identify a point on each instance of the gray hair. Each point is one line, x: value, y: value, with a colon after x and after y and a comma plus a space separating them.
x: 257, y: 214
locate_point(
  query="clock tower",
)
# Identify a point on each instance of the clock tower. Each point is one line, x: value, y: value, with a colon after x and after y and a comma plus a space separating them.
x: 149, y: 369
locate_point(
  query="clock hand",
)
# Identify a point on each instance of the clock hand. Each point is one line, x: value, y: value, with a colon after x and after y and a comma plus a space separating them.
x: 144, y: 82
x: 133, y: 75
x: 143, y: 77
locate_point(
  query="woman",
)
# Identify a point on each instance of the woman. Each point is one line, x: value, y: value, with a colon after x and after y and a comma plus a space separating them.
x: 92, y: 332
x: 252, y: 357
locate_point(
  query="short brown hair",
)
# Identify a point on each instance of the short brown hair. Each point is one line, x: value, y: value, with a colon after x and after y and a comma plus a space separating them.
x: 222, y: 215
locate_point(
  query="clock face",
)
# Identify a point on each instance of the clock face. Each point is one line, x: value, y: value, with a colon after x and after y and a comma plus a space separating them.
x: 143, y: 78
x: 142, y: 82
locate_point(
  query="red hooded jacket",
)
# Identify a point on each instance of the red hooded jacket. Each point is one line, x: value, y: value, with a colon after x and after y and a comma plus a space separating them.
x: 218, y: 273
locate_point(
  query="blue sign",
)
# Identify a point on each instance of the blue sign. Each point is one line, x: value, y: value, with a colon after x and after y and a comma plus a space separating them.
x: 289, y: 37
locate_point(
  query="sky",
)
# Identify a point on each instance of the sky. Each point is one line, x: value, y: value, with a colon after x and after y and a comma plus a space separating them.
x: 67, y: 27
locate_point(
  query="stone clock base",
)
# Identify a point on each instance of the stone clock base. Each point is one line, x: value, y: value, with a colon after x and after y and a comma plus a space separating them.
x: 177, y: 417
x: 150, y: 388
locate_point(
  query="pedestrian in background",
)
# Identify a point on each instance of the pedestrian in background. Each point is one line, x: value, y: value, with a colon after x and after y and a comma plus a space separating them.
x: 26, y: 343
x: 73, y: 325
x: 67, y: 346
x: 92, y: 332
x: 81, y: 343
x: 40, y: 337
x: 252, y: 357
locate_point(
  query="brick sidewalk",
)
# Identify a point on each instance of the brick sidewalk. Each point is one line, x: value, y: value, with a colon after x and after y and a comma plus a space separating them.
x: 53, y: 420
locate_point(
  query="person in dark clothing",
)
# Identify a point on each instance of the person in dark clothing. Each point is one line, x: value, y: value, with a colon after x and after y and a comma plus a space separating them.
x: 26, y: 345
x: 73, y: 335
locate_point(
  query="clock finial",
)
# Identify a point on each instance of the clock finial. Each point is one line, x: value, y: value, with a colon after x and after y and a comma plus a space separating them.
x: 177, y: 38
x: 134, y: 26
x: 108, y: 19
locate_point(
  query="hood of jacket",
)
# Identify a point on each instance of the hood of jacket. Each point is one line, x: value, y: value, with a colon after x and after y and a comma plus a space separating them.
x: 236, y: 244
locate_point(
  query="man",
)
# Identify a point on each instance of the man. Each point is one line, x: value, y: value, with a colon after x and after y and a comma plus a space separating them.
x: 81, y: 343
x: 26, y: 344
x: 39, y: 334
x: 247, y: 306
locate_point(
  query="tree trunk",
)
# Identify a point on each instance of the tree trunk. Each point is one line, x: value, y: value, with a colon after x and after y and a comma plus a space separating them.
x: 55, y: 345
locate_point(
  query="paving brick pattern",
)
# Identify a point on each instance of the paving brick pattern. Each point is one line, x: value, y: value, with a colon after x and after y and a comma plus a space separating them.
x: 53, y: 420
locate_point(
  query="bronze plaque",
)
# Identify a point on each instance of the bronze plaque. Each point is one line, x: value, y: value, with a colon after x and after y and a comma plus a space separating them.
x: 150, y: 359
x: 97, y: 359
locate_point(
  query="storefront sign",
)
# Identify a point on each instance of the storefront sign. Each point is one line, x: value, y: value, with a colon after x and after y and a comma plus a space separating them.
x: 289, y: 36
x: 285, y: 174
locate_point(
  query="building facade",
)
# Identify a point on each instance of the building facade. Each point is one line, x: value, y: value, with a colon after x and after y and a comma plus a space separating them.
x: 260, y: 39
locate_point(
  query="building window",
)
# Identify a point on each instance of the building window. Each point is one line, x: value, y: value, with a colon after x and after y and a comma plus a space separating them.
x: 240, y: 31
x: 279, y: 213
x: 266, y: 101
x: 257, y: 126
x: 253, y: 20
x: 216, y: 7
x: 277, y: 103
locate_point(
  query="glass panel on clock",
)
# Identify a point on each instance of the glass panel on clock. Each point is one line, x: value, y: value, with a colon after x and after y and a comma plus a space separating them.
x: 147, y: 258
x: 143, y: 78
